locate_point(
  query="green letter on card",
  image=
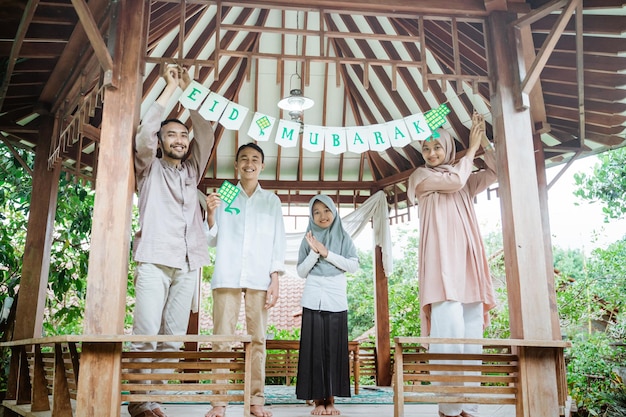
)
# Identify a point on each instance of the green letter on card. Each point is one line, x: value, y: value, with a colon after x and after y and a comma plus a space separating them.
x: 234, y: 114
x: 416, y: 125
x: 287, y: 133
x: 192, y: 94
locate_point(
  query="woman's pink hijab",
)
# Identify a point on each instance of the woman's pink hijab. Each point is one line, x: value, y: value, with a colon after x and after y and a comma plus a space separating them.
x: 447, y: 142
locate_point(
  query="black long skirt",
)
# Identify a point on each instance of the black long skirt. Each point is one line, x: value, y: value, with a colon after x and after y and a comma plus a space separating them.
x: 324, y: 362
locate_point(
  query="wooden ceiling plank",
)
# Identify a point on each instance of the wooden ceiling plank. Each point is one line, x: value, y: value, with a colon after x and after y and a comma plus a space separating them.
x: 590, y: 105
x: 18, y: 41
x: 572, y: 126
x: 384, y: 78
x: 596, y: 119
x: 596, y: 63
x: 592, y: 45
x: 607, y: 81
x: 607, y: 25
x: 592, y: 93
x: 386, y: 8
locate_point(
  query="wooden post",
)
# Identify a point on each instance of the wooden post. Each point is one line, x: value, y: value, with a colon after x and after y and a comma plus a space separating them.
x: 99, y: 384
x: 531, y: 312
x: 36, y: 261
x: 381, y: 297
x: 542, y: 183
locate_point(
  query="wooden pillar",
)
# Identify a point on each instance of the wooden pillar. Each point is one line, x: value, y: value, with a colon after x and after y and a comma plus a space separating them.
x: 381, y: 297
x: 531, y: 312
x: 36, y: 261
x: 542, y: 183
x: 99, y: 385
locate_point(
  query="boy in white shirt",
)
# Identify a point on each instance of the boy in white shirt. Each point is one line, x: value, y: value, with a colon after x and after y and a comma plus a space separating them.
x: 250, y: 256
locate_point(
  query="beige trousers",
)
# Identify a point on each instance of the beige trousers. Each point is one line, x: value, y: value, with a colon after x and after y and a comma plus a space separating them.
x: 226, y: 306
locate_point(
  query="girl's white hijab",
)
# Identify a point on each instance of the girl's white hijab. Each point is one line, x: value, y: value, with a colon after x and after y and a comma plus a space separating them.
x: 447, y: 143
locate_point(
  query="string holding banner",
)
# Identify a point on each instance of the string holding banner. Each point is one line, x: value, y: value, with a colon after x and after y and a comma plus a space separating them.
x: 335, y: 140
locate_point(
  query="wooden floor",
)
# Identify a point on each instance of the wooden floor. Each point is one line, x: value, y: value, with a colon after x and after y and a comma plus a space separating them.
x: 349, y: 410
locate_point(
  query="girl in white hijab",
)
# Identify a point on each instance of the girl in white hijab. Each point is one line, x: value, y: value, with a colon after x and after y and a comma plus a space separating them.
x: 455, y: 288
x: 326, y: 253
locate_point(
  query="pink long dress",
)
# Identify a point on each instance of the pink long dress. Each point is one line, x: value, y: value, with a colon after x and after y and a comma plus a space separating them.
x: 452, y: 261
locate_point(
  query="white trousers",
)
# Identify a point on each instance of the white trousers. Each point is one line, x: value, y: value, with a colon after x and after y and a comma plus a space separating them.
x: 163, y: 297
x: 452, y: 319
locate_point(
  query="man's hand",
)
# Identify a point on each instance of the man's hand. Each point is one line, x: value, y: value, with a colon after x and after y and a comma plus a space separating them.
x: 171, y: 76
x: 184, y: 79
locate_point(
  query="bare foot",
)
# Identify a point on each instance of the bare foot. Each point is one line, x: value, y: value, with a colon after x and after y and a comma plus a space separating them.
x: 319, y: 409
x: 217, y: 411
x: 259, y: 411
x: 332, y: 411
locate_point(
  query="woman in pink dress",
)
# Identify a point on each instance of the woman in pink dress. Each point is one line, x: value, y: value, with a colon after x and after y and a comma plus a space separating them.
x: 455, y: 286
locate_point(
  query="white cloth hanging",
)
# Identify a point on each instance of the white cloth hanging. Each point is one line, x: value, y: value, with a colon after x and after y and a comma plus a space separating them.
x: 375, y: 209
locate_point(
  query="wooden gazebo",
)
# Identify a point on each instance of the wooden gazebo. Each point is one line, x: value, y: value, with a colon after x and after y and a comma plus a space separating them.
x: 77, y: 76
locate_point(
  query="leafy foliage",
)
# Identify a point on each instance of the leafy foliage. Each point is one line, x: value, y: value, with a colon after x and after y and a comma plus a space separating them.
x: 607, y: 184
x: 590, y: 371
x: 361, y: 297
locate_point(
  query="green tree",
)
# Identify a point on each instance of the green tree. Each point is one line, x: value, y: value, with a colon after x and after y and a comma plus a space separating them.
x: 607, y: 184
x: 69, y: 254
x: 361, y: 297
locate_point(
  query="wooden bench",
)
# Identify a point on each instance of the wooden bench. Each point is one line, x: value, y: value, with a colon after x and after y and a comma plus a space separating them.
x: 44, y: 371
x: 491, y: 376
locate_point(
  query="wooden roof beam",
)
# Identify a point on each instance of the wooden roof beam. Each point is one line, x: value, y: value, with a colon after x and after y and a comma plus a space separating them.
x: 95, y: 38
x: 529, y: 78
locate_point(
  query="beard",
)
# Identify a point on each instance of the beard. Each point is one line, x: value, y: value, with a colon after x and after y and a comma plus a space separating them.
x: 173, y: 155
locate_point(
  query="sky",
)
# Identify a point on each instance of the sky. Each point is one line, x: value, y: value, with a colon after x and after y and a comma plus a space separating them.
x: 574, y: 223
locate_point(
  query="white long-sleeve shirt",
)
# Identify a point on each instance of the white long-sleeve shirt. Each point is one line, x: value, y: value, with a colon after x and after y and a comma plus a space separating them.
x: 326, y: 293
x: 250, y: 244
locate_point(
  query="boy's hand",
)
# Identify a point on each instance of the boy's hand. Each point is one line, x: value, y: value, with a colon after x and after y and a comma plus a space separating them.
x: 271, y: 297
x: 213, y: 201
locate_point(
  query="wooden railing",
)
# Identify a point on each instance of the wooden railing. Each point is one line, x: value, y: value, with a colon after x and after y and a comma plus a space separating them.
x: 490, y: 377
x: 47, y: 368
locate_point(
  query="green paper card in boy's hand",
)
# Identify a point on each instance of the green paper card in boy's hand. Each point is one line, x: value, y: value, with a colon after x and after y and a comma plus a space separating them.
x: 228, y: 193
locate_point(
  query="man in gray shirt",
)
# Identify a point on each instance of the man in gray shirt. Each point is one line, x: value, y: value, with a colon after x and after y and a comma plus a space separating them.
x: 171, y: 245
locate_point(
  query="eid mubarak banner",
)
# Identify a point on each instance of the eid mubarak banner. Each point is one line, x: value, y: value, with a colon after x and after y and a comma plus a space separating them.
x: 335, y: 140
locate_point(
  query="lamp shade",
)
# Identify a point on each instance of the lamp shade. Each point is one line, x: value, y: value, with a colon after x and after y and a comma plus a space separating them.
x: 296, y: 102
